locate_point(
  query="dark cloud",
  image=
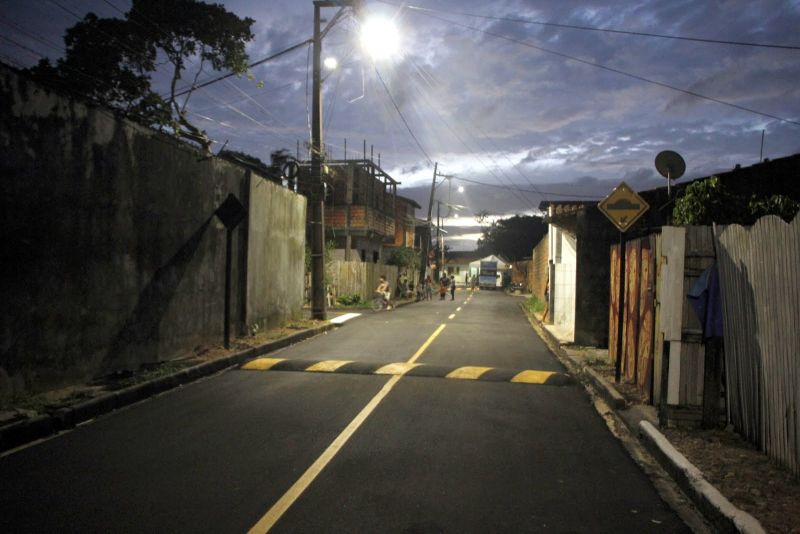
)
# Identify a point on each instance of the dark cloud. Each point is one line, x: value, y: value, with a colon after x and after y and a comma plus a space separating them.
x: 535, y: 124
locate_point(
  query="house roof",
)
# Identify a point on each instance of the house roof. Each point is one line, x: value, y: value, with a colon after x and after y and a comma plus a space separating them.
x: 462, y: 256
x: 777, y: 176
x: 410, y: 201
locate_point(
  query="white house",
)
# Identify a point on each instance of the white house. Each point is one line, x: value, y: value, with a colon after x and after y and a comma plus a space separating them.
x: 502, y: 267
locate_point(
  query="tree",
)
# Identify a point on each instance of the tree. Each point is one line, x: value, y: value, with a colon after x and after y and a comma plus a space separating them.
x: 404, y: 258
x: 709, y: 201
x: 512, y: 238
x: 111, y: 61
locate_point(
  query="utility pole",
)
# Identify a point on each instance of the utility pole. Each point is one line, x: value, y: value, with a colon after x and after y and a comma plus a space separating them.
x: 426, y: 244
x: 316, y: 193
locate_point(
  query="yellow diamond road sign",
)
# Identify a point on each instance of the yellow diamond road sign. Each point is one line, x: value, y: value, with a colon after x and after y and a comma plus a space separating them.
x: 623, y: 206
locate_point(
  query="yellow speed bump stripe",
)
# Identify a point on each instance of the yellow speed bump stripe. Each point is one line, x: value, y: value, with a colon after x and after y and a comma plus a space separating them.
x: 396, y: 368
x: 468, y: 373
x: 262, y: 364
x: 532, y: 377
x: 327, y: 366
x: 413, y: 369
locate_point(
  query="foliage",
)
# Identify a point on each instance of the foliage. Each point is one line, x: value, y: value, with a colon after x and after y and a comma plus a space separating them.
x: 330, y: 246
x: 111, y: 61
x: 710, y: 201
x: 512, y: 238
x: 534, y: 305
x: 349, y: 300
x: 404, y: 258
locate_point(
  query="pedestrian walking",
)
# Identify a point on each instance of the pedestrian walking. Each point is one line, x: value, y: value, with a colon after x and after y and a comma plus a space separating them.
x: 453, y: 288
x: 443, y: 283
x: 428, y: 287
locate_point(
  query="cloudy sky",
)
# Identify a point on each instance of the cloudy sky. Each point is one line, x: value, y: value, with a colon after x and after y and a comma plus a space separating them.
x: 511, y: 102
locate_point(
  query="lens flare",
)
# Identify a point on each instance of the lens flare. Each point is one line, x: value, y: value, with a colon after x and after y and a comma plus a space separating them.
x: 380, y: 38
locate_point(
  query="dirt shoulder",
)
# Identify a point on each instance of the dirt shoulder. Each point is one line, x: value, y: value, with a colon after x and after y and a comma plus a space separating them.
x: 743, y: 474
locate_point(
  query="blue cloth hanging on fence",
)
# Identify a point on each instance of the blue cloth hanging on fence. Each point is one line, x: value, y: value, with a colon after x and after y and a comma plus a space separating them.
x: 706, y: 300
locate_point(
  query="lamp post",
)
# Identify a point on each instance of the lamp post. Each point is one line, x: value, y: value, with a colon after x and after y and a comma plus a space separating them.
x: 316, y: 193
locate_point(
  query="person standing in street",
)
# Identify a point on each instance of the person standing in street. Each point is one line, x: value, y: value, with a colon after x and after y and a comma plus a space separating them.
x: 443, y: 283
x: 453, y: 288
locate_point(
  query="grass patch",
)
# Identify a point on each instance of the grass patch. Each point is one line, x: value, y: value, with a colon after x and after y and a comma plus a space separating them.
x: 534, y: 305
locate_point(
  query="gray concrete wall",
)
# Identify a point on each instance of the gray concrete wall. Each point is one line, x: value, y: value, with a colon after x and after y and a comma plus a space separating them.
x: 112, y: 255
x: 276, y: 254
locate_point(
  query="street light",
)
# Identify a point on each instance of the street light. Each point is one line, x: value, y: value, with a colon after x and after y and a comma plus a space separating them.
x: 380, y: 36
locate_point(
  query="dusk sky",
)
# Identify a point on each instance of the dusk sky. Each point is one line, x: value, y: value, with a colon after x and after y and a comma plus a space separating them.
x: 530, y: 110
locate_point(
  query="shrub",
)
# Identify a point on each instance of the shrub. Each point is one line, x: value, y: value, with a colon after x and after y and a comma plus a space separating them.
x: 349, y: 300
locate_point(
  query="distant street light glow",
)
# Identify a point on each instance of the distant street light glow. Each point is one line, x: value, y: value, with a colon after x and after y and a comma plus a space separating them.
x: 380, y: 38
x: 330, y: 63
x: 460, y: 188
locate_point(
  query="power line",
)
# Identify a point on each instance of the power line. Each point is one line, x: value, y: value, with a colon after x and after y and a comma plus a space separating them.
x: 250, y: 66
x: 617, y: 71
x: 430, y: 161
x: 500, y: 186
x: 518, y: 194
x: 597, y: 29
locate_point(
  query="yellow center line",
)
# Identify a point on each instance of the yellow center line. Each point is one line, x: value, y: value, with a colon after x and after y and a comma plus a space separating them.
x: 427, y: 343
x: 396, y: 368
x: 458, y: 309
x: 451, y: 316
x: 277, y: 510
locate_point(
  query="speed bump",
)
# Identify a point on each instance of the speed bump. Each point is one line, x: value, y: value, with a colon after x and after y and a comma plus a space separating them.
x: 468, y: 372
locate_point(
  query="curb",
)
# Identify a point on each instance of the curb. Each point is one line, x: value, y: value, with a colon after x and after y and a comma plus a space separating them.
x: 718, y: 509
x: 42, y: 426
x: 714, y: 506
x: 610, y: 395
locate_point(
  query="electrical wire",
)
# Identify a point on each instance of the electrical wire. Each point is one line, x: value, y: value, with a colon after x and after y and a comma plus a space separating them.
x: 614, y: 70
x: 397, y: 108
x: 597, y: 29
x: 556, y: 193
x: 519, y: 194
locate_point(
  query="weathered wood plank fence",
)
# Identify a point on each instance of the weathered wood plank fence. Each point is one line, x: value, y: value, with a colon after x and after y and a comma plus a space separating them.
x: 359, y: 278
x: 760, y: 278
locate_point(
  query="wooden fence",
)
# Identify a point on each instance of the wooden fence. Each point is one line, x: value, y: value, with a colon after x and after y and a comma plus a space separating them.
x: 359, y: 278
x: 659, y: 269
x: 638, y: 317
x: 760, y: 280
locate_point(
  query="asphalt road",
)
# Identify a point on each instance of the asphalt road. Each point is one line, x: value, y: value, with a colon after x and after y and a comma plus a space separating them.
x: 409, y: 454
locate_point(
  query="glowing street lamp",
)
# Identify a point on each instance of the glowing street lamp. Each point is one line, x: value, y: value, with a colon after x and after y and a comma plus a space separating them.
x: 381, y: 39
x: 330, y: 63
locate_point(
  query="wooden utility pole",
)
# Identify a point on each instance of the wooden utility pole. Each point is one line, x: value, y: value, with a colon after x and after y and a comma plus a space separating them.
x: 316, y: 193
x: 426, y: 244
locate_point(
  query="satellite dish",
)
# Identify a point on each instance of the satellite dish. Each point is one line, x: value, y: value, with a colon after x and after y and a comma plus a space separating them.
x: 670, y: 165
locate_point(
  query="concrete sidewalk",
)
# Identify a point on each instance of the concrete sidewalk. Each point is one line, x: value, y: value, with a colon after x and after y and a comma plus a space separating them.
x: 642, y: 421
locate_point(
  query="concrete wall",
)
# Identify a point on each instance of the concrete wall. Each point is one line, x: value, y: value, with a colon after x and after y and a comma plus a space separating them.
x: 275, y: 254
x: 112, y: 255
x: 563, y: 253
